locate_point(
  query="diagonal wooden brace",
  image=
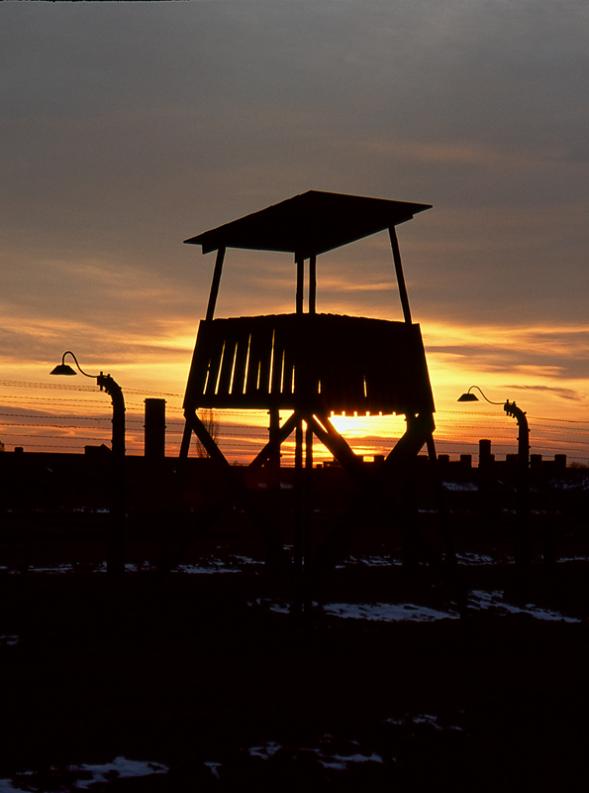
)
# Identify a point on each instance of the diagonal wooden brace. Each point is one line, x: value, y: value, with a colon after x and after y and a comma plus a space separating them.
x: 273, y: 445
x: 332, y: 440
x: 195, y: 424
x: 419, y: 431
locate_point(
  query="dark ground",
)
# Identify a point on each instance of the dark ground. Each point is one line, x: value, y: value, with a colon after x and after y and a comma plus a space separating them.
x: 197, y: 673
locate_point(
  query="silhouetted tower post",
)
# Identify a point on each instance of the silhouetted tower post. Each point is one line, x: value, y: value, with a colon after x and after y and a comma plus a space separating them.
x: 306, y: 364
x: 155, y: 429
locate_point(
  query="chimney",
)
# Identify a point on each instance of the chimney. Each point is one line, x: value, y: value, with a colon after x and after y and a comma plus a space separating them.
x: 155, y: 429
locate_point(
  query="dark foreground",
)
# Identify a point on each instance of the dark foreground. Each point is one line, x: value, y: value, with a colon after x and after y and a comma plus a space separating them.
x: 193, y: 683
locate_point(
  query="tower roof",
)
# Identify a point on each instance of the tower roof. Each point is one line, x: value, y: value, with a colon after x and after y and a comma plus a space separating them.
x: 309, y: 223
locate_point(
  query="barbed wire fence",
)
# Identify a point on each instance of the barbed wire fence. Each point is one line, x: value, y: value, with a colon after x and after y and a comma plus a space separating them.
x: 32, y: 418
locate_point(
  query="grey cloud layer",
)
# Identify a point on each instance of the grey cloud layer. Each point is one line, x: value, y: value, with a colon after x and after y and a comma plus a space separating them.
x: 128, y: 127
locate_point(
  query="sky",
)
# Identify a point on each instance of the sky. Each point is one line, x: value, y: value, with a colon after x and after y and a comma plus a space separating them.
x: 129, y: 127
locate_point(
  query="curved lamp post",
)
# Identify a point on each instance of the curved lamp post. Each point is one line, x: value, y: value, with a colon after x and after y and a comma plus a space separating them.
x: 106, y: 383
x: 522, y: 547
x: 512, y: 410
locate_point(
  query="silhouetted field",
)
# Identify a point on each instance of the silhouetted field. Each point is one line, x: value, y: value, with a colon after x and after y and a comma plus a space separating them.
x: 202, y: 667
x: 196, y: 680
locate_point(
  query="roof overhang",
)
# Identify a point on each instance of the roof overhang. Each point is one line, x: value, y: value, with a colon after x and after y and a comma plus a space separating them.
x: 309, y: 224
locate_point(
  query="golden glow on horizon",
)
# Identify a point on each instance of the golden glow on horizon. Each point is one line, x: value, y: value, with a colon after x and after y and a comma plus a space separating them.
x: 541, y: 379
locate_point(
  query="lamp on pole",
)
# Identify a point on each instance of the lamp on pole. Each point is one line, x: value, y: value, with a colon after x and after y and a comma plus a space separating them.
x: 116, y: 538
x: 106, y: 383
x: 511, y: 409
x: 522, y: 548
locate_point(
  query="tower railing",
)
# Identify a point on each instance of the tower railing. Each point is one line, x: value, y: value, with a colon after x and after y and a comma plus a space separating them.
x: 311, y: 362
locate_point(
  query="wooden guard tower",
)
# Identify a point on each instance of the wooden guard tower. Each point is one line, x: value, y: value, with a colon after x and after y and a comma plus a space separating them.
x: 307, y: 363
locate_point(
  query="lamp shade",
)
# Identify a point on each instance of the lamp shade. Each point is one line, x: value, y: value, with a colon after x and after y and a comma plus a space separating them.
x: 63, y: 368
x: 468, y: 397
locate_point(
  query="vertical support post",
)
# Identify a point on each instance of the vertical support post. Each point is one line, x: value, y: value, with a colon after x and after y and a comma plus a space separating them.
x: 312, y: 284
x: 272, y: 527
x: 431, y: 448
x: 215, y: 283
x: 306, y: 496
x: 309, y: 447
x: 299, y: 524
x: 299, y: 445
x: 187, y: 433
x: 299, y: 528
x: 300, y: 262
x: 444, y: 523
x: 399, y: 273
x: 155, y: 429
x: 273, y: 432
x: 299, y: 515
x: 307, y: 487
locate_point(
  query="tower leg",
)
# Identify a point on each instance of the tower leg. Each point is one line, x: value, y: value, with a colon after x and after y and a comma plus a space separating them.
x: 309, y: 446
x: 274, y: 441
x: 299, y: 527
x: 431, y: 449
x: 276, y: 560
x: 444, y: 523
x: 298, y: 537
x: 185, y: 444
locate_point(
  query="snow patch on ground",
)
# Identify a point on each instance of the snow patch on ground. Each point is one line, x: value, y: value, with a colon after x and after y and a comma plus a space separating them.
x: 460, y: 487
x: 246, y: 561
x: 478, y: 600
x: 429, y: 721
x: 265, y: 751
x: 235, y: 563
x: 275, y: 606
x: 388, y: 612
x: 331, y: 754
x: 328, y: 753
x: 120, y: 768
x: 341, y: 762
x: 493, y: 600
x: 581, y: 484
x: 471, y: 559
x: 466, y: 558
x: 53, y: 569
x: 372, y: 560
x: 214, y: 768
x: 371, y: 612
x: 80, y: 777
x: 140, y: 567
x: 205, y: 569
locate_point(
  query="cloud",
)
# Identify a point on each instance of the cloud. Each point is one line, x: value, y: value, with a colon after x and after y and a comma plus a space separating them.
x: 563, y: 393
x: 533, y: 352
